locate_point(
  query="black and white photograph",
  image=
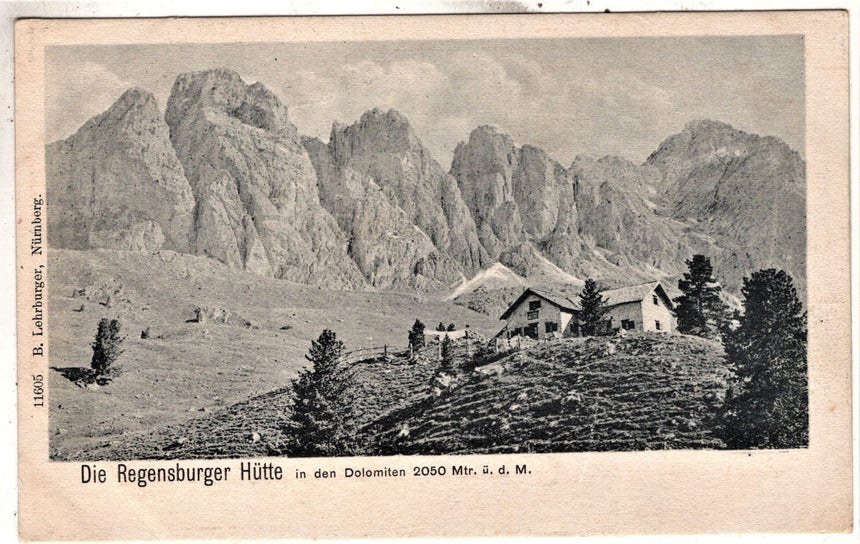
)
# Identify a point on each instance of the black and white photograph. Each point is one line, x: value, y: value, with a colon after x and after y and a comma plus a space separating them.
x: 442, y: 247
x: 433, y: 276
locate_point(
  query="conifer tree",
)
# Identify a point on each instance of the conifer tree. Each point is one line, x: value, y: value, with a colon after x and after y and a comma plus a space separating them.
x: 592, y: 309
x: 106, y: 348
x: 767, y: 403
x: 447, y: 350
x: 700, y: 311
x: 416, y: 335
x: 322, y: 422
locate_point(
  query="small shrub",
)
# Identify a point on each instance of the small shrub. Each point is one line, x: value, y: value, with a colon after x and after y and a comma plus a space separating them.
x: 482, y: 353
x: 144, y: 334
x: 451, y: 327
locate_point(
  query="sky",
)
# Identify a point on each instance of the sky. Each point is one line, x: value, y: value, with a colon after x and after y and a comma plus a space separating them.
x: 571, y: 96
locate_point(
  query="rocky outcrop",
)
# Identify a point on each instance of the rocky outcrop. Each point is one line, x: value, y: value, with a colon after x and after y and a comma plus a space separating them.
x: 616, y: 203
x: 483, y: 168
x: 618, y: 221
x: 745, y: 192
x: 254, y: 184
x: 383, y: 147
x: 117, y: 184
x: 522, y: 200
x: 389, y: 250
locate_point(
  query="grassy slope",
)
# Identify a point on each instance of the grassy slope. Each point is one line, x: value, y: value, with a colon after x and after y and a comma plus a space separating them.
x: 188, y: 370
x: 638, y: 392
x: 630, y: 393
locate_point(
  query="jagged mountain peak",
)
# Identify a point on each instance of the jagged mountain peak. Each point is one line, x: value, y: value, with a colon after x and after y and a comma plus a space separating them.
x: 117, y: 183
x: 383, y: 147
x: 746, y: 191
x: 536, y: 152
x: 377, y: 130
x: 392, y: 116
x: 135, y: 96
x: 707, y: 125
x: 490, y: 133
x: 257, y: 200
x: 222, y: 91
x: 224, y: 173
x: 714, y: 140
x: 136, y: 110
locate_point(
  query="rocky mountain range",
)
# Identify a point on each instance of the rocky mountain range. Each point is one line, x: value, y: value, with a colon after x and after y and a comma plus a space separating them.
x: 224, y: 173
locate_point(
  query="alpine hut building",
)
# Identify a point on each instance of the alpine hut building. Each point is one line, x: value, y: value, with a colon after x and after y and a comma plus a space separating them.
x: 538, y: 313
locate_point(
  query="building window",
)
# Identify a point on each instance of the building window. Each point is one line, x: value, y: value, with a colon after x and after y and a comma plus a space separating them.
x: 657, y: 325
x: 656, y: 300
x: 534, y: 305
x: 628, y: 324
x: 607, y: 325
x: 551, y: 326
x: 533, y: 315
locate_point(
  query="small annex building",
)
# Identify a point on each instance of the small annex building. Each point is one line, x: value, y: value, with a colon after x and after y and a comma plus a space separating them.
x: 539, y: 313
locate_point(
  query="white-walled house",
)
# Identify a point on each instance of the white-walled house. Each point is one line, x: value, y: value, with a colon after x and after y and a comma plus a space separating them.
x: 538, y: 313
x: 437, y: 336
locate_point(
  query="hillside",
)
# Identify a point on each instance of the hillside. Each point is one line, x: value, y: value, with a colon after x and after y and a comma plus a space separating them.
x: 186, y: 369
x: 639, y: 392
x: 635, y: 392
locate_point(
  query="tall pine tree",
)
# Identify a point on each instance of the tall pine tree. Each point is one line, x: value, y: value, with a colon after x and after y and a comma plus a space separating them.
x: 593, y: 308
x: 700, y: 311
x: 447, y: 354
x: 322, y: 423
x: 767, y: 403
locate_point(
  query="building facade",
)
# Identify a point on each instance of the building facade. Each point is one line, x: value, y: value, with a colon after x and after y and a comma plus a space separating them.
x: 539, y: 314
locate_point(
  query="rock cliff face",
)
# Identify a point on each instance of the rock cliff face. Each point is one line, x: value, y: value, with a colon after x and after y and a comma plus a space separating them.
x: 522, y: 200
x: 389, y: 250
x: 708, y: 190
x: 254, y: 184
x: 117, y: 183
x: 225, y: 174
x: 618, y: 209
x: 483, y: 168
x: 383, y: 147
x: 746, y: 192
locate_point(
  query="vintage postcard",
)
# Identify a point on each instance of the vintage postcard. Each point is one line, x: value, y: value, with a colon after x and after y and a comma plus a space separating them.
x: 436, y: 276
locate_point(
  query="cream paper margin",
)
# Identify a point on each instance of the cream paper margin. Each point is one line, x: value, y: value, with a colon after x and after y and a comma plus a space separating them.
x: 677, y: 492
